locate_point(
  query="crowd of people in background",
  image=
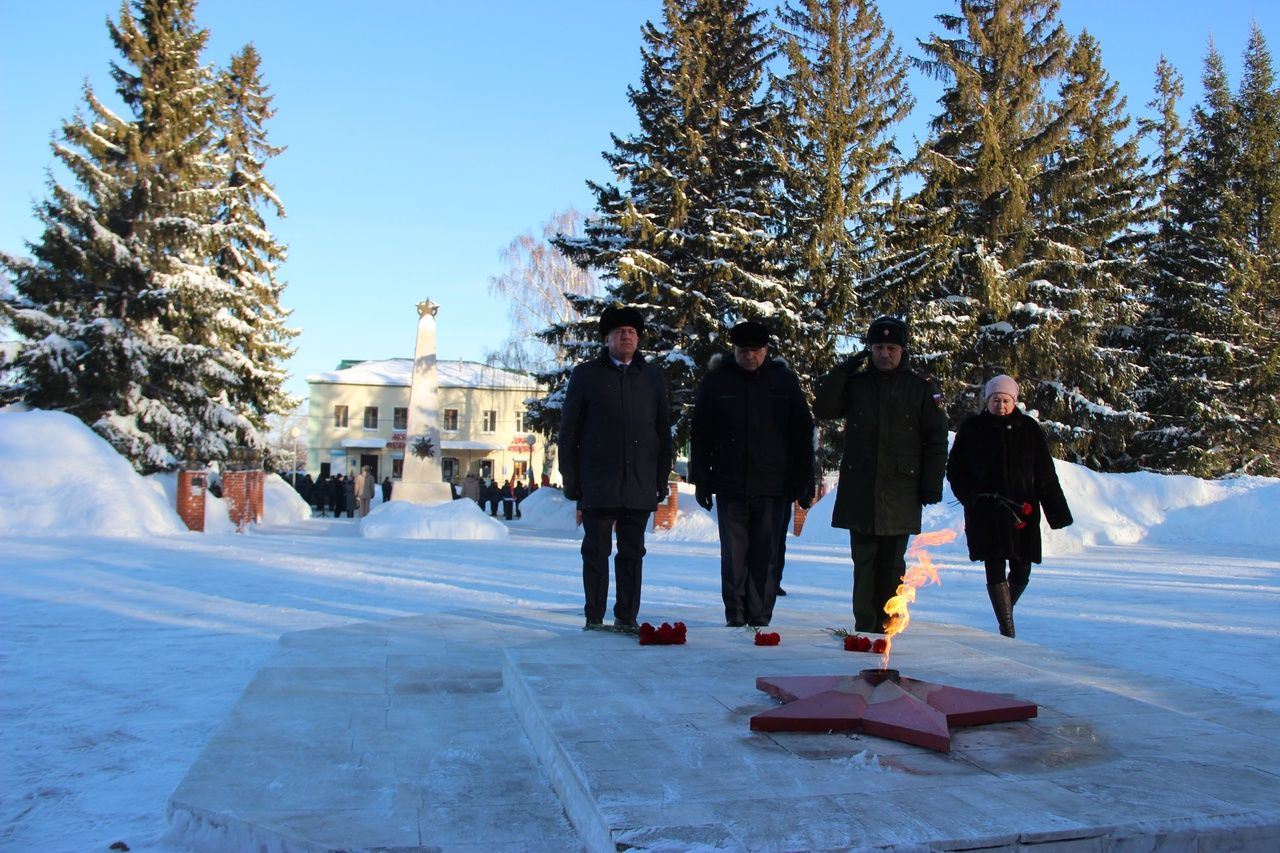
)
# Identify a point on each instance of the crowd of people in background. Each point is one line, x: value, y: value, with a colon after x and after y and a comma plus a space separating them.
x: 353, y: 495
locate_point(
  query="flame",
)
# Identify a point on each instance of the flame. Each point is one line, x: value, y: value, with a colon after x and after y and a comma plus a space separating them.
x: 919, y: 573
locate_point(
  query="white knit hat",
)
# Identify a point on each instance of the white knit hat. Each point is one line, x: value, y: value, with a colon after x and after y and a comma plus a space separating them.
x: 1002, y: 384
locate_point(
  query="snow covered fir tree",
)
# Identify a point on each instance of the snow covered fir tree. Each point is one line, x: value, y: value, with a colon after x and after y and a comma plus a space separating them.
x: 149, y: 306
x: 689, y: 233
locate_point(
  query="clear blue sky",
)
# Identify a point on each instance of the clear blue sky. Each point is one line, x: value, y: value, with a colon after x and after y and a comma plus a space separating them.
x: 423, y: 136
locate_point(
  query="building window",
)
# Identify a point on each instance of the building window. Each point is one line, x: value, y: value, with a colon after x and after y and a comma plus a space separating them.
x: 522, y: 422
x: 340, y: 417
x: 370, y: 417
x: 400, y: 418
x: 449, y: 468
x: 521, y: 469
x: 397, y: 468
x: 450, y: 420
x: 490, y: 421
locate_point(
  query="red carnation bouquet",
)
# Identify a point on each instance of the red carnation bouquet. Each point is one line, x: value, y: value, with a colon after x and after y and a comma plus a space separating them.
x: 664, y: 635
x: 764, y: 638
x: 858, y: 642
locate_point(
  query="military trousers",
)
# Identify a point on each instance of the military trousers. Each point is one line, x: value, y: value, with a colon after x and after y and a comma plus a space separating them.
x: 879, y: 562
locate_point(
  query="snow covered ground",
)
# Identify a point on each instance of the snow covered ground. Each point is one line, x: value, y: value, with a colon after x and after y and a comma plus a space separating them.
x: 124, y: 639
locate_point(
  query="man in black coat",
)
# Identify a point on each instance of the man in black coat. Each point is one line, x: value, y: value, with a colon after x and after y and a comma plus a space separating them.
x: 752, y: 449
x: 895, y: 454
x: 615, y: 457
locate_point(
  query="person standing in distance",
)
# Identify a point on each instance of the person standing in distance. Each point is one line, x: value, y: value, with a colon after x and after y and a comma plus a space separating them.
x: 752, y: 448
x: 1000, y: 469
x: 895, y: 455
x: 615, y: 454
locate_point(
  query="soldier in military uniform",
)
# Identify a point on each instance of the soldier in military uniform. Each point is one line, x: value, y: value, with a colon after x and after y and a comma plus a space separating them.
x: 895, y: 455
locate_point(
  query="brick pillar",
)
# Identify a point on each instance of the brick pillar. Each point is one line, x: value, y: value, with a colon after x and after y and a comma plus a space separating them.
x: 798, y: 515
x: 664, y: 517
x: 257, y: 490
x: 236, y: 492
x: 192, y: 486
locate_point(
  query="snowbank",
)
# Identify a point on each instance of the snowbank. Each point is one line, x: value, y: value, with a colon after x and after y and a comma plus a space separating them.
x: 60, y: 478
x: 693, y: 523
x: 550, y: 509
x: 461, y: 519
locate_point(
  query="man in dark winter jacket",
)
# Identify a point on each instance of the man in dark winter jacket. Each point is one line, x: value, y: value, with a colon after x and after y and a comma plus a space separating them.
x: 895, y: 454
x: 615, y: 457
x: 752, y: 448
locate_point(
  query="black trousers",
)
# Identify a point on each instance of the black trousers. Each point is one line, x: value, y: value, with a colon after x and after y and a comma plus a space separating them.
x: 879, y: 562
x: 598, y: 526
x: 749, y: 529
x: 1019, y: 573
x: 784, y: 524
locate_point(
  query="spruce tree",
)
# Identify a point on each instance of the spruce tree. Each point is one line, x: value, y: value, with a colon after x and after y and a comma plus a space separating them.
x: 251, y: 331
x: 843, y: 90
x: 958, y: 259
x: 1256, y: 280
x: 117, y: 306
x: 1192, y: 328
x: 688, y: 233
x: 1078, y: 355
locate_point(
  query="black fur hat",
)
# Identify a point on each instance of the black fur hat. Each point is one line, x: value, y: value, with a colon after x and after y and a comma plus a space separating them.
x: 749, y: 334
x: 887, y: 330
x: 616, y: 316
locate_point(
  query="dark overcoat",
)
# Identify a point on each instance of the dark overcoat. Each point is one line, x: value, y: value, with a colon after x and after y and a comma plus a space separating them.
x: 997, y: 464
x: 615, y: 434
x: 895, y: 445
x: 752, y: 432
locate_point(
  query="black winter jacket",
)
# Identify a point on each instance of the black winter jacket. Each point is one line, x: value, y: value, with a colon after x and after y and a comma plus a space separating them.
x: 997, y: 464
x: 615, y: 435
x: 752, y: 433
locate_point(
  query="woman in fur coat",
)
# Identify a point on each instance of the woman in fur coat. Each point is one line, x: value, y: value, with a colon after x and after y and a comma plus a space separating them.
x: 1001, y: 471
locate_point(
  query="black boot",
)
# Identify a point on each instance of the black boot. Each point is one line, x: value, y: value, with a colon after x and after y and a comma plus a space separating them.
x: 1015, y: 592
x: 1002, y: 605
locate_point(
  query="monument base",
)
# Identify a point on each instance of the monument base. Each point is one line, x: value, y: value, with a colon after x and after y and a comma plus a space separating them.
x: 422, y: 493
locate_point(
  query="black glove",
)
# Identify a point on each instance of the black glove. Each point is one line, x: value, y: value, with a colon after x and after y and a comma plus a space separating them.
x: 805, y: 499
x: 664, y: 495
x: 573, y: 493
x: 702, y: 495
x: 927, y: 498
x: 855, y: 362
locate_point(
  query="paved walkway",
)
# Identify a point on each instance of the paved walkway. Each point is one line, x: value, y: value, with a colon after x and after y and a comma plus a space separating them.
x: 466, y: 732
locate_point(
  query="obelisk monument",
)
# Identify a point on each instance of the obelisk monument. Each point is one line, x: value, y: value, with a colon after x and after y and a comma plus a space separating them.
x: 421, y: 480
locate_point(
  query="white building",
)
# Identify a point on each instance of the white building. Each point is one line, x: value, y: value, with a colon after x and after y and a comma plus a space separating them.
x: 358, y: 415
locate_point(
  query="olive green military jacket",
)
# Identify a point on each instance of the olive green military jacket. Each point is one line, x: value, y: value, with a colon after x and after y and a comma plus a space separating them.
x: 895, y: 445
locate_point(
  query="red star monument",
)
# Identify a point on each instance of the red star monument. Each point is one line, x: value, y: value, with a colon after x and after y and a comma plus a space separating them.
x: 883, y: 703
